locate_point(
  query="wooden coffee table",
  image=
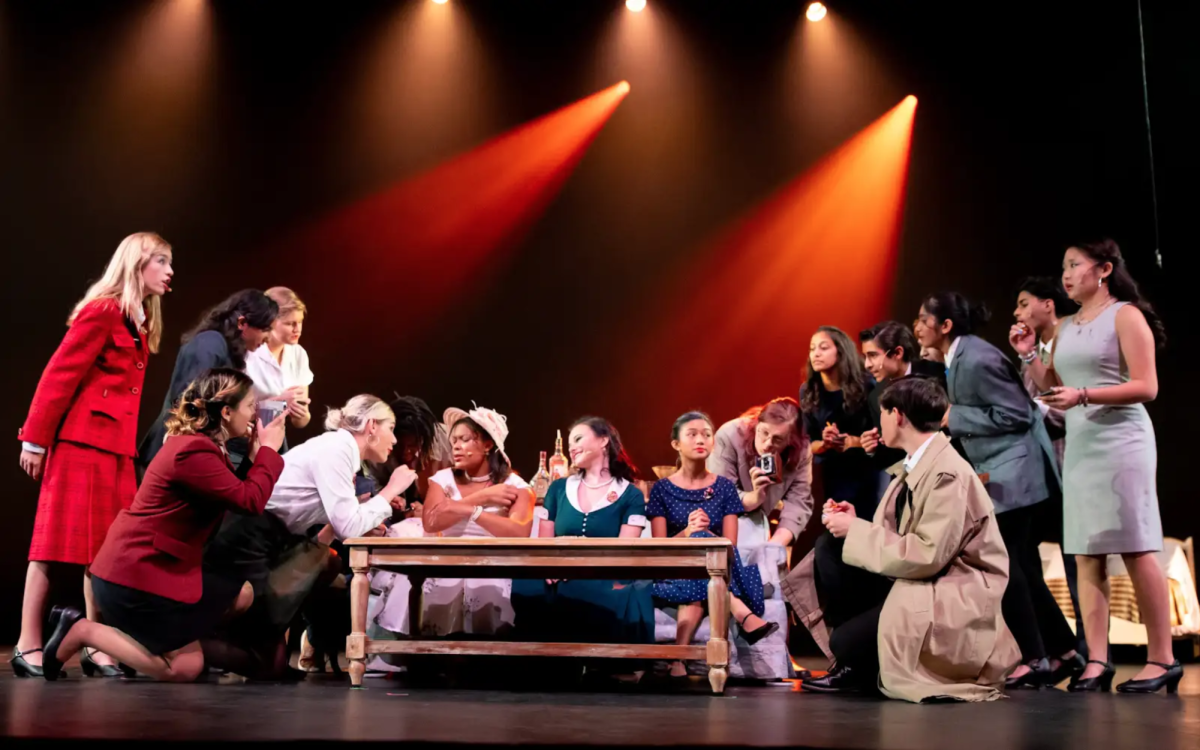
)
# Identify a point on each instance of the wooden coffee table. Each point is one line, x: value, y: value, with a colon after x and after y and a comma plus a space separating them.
x: 645, y: 559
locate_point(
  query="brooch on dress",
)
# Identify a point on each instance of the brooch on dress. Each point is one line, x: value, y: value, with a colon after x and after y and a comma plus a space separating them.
x: 708, y: 493
x: 612, y: 496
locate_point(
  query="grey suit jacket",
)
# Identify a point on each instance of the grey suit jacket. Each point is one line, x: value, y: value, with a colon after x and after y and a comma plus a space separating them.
x: 999, y: 426
x: 732, y: 458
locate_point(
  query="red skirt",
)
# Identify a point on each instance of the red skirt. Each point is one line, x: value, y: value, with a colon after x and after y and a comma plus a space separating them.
x: 83, y: 490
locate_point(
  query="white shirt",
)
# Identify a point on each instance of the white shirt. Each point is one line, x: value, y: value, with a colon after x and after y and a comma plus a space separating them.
x: 317, y: 487
x: 953, y: 349
x: 467, y: 527
x: 908, y: 370
x: 910, y: 462
x: 272, y: 378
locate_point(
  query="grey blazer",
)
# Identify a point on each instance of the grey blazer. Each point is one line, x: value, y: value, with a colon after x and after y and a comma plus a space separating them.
x: 732, y: 457
x: 1000, y: 427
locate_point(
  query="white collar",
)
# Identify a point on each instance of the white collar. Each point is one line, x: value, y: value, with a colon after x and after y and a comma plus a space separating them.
x: 139, y: 316
x: 263, y: 352
x: 908, y: 370
x: 1045, y: 346
x: 910, y: 462
x: 953, y: 349
x: 572, y: 490
x: 348, y: 436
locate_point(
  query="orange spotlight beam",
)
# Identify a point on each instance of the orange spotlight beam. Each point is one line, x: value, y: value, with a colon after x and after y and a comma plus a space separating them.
x: 439, y: 229
x: 735, y: 329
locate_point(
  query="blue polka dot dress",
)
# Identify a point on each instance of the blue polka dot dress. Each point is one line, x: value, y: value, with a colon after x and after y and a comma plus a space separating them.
x: 670, y: 501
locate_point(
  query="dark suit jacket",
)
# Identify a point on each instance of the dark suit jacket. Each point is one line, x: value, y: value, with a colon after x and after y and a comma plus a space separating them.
x: 90, y: 390
x: 999, y: 425
x: 885, y: 457
x: 205, y: 351
x: 157, y: 544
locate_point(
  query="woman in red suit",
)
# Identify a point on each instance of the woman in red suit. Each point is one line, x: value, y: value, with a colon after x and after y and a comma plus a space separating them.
x: 147, y: 578
x: 81, y: 425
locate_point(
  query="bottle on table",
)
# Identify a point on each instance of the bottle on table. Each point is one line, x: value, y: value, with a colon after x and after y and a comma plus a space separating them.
x: 558, y: 462
x: 541, y: 480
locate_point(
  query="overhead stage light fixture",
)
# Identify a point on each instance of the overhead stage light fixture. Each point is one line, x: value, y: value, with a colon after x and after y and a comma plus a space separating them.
x: 441, y: 2
x: 637, y: 6
x: 816, y: 11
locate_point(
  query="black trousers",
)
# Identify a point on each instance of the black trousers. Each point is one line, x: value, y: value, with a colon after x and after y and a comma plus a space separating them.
x: 855, y: 643
x: 844, y: 590
x: 1029, y: 608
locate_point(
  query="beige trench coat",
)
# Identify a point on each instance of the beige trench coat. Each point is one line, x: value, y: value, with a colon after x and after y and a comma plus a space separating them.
x: 941, y: 634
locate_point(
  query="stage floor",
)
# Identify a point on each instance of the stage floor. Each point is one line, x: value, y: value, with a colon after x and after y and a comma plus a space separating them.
x: 325, y: 709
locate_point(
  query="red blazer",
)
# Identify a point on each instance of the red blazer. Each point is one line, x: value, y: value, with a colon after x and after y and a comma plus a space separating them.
x: 157, y: 544
x: 90, y: 391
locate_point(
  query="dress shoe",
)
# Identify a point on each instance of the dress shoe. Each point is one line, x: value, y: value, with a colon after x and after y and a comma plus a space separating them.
x: 1067, y: 668
x: 62, y: 619
x: 93, y: 668
x: 1098, y: 684
x: 22, y: 668
x: 843, y: 679
x: 1169, y: 679
x: 752, y: 637
x: 1037, y: 676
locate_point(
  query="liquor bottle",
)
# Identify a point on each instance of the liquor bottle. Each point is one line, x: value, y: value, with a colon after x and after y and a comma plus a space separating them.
x: 541, y: 481
x: 558, y: 462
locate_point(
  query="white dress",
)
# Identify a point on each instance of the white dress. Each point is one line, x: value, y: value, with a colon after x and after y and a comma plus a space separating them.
x: 476, y: 606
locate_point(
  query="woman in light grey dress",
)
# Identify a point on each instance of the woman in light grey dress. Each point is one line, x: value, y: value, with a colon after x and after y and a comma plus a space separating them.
x: 1102, y: 370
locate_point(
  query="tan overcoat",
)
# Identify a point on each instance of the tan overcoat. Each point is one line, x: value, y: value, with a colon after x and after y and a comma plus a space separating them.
x: 941, y: 634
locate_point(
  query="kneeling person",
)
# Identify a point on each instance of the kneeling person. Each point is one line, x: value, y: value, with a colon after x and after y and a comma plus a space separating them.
x: 935, y: 535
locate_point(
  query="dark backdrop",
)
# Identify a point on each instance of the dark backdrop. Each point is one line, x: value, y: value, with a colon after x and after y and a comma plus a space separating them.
x: 227, y: 133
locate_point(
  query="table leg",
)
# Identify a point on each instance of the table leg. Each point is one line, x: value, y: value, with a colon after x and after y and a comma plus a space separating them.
x: 718, y: 625
x: 360, y: 592
x: 416, y: 606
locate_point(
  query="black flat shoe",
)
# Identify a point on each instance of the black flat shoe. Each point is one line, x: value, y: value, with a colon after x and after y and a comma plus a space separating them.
x: 1038, y: 675
x: 1169, y: 679
x: 1100, y: 683
x: 840, y: 680
x: 1066, y: 669
x: 62, y: 619
x: 92, y: 668
x: 754, y: 636
x: 22, y: 668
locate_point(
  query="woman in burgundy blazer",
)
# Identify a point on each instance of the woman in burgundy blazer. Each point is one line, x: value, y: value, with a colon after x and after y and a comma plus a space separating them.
x: 147, y: 578
x: 81, y: 425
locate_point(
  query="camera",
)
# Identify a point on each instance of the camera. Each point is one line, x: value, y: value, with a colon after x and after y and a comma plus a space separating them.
x: 768, y: 464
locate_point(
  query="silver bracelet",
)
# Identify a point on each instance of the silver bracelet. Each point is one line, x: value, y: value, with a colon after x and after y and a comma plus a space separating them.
x: 1028, y: 358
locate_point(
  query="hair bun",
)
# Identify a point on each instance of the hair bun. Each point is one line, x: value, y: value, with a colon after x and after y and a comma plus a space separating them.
x: 333, y: 419
x: 980, y: 314
x: 193, y: 409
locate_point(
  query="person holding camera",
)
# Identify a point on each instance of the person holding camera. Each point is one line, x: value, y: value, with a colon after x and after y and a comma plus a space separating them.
x: 932, y: 628
x: 764, y: 452
x: 161, y: 605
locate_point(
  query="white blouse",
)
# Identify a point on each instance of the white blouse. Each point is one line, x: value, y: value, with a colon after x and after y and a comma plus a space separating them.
x: 467, y: 527
x: 317, y: 487
x: 272, y: 378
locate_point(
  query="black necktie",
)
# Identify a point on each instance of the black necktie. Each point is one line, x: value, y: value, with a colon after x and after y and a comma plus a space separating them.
x: 903, y: 498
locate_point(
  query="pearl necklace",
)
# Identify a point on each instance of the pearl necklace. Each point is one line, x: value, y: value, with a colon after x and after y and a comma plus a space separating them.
x: 597, y: 486
x: 480, y: 480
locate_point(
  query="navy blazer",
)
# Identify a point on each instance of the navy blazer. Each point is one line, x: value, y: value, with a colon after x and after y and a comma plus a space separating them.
x: 205, y: 351
x: 1000, y: 427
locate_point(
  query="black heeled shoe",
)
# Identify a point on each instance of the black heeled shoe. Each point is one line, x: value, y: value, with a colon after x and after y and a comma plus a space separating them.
x: 1037, y: 676
x: 1066, y: 669
x: 62, y: 619
x: 22, y: 668
x: 754, y: 636
x: 1169, y: 679
x: 1101, y: 683
x: 93, y: 668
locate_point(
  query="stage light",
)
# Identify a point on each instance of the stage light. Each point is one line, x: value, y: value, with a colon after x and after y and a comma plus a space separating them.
x: 441, y: 2
x: 637, y: 6
x: 816, y: 11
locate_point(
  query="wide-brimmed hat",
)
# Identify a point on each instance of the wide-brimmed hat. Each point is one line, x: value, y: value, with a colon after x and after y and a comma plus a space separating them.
x: 490, y: 421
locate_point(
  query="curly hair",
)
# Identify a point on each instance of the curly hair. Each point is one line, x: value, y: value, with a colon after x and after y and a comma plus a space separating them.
x: 851, y: 375
x: 258, y: 310
x: 198, y: 411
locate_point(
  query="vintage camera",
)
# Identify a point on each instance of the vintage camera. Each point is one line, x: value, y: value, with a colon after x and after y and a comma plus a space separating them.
x: 768, y: 464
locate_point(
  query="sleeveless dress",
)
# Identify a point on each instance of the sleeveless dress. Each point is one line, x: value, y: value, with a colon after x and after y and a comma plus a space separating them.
x: 1110, y: 499
x: 473, y: 606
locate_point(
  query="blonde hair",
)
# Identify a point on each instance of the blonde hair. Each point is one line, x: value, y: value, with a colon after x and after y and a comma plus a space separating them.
x: 287, y: 300
x: 198, y: 411
x: 122, y: 282
x: 357, y: 412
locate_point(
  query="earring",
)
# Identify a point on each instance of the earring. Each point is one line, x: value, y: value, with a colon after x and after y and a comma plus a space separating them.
x: 372, y: 440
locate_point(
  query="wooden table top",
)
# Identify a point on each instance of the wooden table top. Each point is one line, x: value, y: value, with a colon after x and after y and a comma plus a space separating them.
x: 540, y: 543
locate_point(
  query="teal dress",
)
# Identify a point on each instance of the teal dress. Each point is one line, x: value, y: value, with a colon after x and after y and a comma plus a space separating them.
x: 586, y: 611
